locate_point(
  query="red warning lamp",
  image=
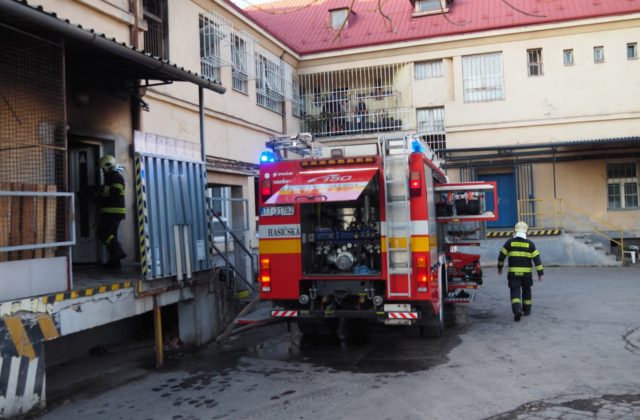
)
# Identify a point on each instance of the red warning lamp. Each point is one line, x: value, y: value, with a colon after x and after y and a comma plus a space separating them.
x: 266, y: 188
x: 415, y: 183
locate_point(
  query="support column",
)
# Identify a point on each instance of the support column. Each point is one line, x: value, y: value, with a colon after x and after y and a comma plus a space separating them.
x: 197, y: 318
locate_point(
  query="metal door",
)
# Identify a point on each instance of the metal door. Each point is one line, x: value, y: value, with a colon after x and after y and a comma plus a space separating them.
x: 507, y: 203
x: 83, y: 176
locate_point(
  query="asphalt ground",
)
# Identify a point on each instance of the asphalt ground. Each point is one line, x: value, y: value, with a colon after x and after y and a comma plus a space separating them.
x: 577, y: 356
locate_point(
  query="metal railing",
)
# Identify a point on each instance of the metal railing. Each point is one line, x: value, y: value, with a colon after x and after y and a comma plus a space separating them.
x: 232, y: 243
x: 352, y: 122
x: 32, y: 223
x: 558, y: 214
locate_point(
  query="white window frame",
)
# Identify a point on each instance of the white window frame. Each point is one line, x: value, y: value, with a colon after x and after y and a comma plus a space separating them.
x: 211, y: 36
x: 620, y: 184
x: 633, y: 48
x: 225, y: 209
x: 483, y: 77
x: 428, y: 7
x: 430, y: 69
x: 534, y: 62
x: 339, y: 17
x: 598, y: 54
x: 270, y: 72
x: 239, y: 64
x: 567, y: 57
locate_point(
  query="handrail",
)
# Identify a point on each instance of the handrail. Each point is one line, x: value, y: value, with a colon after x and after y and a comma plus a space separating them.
x: 608, y: 226
x: 595, y: 224
x: 241, y: 246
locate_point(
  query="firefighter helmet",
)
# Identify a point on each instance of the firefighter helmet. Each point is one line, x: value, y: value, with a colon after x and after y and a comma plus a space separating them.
x: 521, y: 227
x: 108, y: 163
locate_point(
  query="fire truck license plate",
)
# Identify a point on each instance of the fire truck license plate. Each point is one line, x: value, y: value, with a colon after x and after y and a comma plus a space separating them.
x: 277, y: 211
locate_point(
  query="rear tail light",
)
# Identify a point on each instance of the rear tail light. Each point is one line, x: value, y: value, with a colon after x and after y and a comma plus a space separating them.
x: 415, y: 183
x: 423, y: 276
x: 266, y: 188
x: 265, y: 274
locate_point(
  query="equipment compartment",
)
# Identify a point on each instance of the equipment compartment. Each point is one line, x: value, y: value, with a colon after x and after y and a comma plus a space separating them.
x: 342, y: 238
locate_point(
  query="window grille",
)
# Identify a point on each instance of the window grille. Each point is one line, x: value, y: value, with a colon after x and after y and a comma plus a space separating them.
x: 534, y: 62
x: 270, y: 80
x: 622, y: 188
x: 430, y: 126
x: 33, y: 145
x: 155, y: 38
x: 483, y: 77
x: 428, y: 69
x: 296, y: 101
x: 212, y: 32
x: 567, y: 57
x: 357, y: 100
x: 240, y: 60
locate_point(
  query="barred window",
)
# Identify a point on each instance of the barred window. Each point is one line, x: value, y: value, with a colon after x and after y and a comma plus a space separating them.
x: 428, y: 69
x: 483, y: 77
x: 210, y: 48
x: 269, y: 82
x: 622, y: 185
x: 239, y: 64
x: 534, y: 62
x: 430, y: 126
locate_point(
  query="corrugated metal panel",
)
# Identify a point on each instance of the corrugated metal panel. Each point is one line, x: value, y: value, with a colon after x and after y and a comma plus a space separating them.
x: 175, y: 223
x: 305, y: 25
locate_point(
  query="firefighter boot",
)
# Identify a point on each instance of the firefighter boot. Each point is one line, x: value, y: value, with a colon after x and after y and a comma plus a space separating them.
x: 517, y: 311
x: 116, y: 253
x: 526, y: 309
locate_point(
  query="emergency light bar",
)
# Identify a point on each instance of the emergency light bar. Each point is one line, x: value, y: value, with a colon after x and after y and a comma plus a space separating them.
x: 340, y: 161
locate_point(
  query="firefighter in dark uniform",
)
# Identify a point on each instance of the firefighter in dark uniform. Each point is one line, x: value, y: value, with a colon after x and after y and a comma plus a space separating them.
x: 112, y: 209
x: 521, y: 252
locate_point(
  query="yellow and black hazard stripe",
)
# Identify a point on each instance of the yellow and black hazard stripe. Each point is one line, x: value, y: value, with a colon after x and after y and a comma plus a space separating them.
x: 21, y: 335
x: 91, y: 291
x: 534, y: 232
x: 143, y: 221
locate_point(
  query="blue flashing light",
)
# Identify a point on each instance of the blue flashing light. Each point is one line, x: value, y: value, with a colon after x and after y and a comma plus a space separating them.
x: 417, y: 147
x: 267, y: 156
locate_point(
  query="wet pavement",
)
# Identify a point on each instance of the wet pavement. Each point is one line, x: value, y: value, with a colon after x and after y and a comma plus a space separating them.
x: 577, y: 356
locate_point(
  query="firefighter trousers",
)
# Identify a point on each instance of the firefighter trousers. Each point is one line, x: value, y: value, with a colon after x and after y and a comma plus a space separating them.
x: 108, y: 235
x: 520, y: 288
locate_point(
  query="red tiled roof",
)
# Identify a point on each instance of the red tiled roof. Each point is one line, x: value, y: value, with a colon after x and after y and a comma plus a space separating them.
x: 305, y: 26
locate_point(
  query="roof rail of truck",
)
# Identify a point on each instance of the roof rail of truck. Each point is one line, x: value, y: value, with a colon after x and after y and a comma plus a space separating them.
x: 294, y: 147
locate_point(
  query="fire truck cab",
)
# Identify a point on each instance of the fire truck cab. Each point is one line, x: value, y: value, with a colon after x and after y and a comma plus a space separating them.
x: 359, y: 232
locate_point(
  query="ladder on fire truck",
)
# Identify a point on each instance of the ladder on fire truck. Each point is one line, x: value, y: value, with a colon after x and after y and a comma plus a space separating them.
x: 395, y: 153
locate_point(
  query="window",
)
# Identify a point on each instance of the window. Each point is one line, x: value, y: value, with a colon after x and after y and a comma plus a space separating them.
x: 430, y: 126
x: 239, y: 64
x: 339, y: 18
x: 269, y: 82
x: 598, y: 54
x: 428, y: 69
x: 428, y: 6
x: 156, y: 41
x: 221, y: 206
x: 534, y: 61
x: 632, y: 50
x: 622, y: 180
x: 483, y: 78
x: 210, y: 48
x: 567, y: 57
x: 297, y: 104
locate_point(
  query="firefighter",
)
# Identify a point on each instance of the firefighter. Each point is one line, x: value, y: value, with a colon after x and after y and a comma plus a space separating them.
x: 112, y: 209
x: 521, y: 252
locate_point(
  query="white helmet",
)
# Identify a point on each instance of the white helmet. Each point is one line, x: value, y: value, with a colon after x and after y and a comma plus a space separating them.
x: 108, y: 163
x: 521, y: 227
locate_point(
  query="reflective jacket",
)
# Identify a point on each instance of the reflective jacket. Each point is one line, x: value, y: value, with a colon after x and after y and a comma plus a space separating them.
x: 521, y: 253
x: 112, y: 194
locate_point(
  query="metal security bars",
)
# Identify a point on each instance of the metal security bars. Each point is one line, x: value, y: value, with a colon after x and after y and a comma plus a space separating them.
x: 212, y: 32
x: 271, y: 79
x: 428, y: 69
x: 483, y: 77
x: 34, y: 212
x: 430, y: 127
x: 155, y: 38
x: 358, y: 100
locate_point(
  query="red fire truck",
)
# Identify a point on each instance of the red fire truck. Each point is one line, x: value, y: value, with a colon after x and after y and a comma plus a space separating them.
x: 361, y: 232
